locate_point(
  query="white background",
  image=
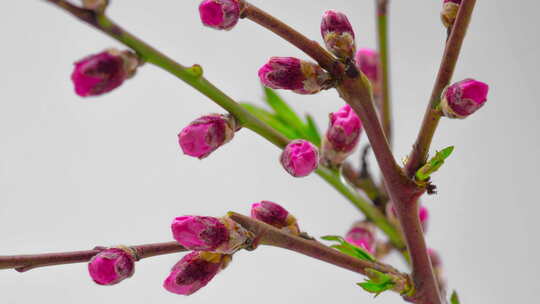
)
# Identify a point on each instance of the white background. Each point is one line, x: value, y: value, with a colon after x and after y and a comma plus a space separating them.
x: 75, y: 173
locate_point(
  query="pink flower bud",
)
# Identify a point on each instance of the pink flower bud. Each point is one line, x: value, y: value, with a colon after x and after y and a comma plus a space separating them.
x: 423, y: 214
x: 300, y: 158
x: 367, y: 61
x: 275, y: 215
x: 338, y: 34
x: 111, y: 266
x: 101, y: 73
x: 194, y: 271
x: 220, y: 14
x: 342, y: 136
x: 463, y: 98
x: 206, y: 233
x: 293, y: 74
x: 362, y: 235
x: 449, y: 12
x: 205, y: 134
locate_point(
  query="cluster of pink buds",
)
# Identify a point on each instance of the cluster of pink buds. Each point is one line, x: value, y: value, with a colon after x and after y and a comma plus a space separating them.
x: 362, y: 235
x: 338, y: 34
x: 194, y: 271
x: 101, y: 73
x: 205, y: 233
x: 300, y: 158
x: 275, y: 215
x: 220, y: 14
x: 293, y: 74
x: 423, y: 215
x: 341, y: 137
x: 367, y: 61
x: 463, y: 98
x: 449, y: 12
x: 207, y: 133
x: 112, y: 265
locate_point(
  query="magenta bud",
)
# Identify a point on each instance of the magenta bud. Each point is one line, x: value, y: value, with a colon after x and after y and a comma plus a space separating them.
x: 101, y: 73
x: 205, y: 233
x: 275, y: 215
x: 205, y: 134
x: 463, y: 98
x: 449, y: 12
x: 342, y: 136
x: 291, y: 73
x: 111, y: 266
x: 423, y: 214
x: 338, y: 34
x: 367, y: 61
x: 300, y: 158
x: 362, y: 235
x: 220, y: 14
x: 194, y: 271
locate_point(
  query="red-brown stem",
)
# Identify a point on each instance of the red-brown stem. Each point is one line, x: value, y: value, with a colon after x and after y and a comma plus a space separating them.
x: 432, y: 116
x: 268, y: 235
x: 27, y: 262
x: 310, y: 47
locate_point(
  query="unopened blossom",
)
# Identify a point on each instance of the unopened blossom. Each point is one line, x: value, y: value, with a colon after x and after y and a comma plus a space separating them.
x: 463, y: 98
x: 95, y: 5
x: 362, y: 235
x: 205, y: 134
x: 300, y: 158
x: 342, y: 136
x: 423, y: 214
x: 338, y: 34
x: 206, y: 233
x: 220, y: 14
x: 194, y: 271
x: 103, y: 72
x: 111, y: 266
x: 275, y: 215
x: 367, y: 61
x: 291, y: 73
x: 449, y: 12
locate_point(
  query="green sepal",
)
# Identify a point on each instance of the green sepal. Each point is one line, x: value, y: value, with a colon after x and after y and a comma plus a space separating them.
x: 348, y: 248
x: 433, y: 164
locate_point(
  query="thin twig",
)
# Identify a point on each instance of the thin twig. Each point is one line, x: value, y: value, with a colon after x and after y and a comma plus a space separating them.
x: 382, y: 39
x: 27, y: 262
x: 432, y: 116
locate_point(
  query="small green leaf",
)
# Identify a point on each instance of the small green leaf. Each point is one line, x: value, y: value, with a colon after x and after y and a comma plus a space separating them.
x: 377, y: 283
x: 348, y: 248
x: 312, y: 131
x: 454, y: 299
x: 271, y: 120
x: 433, y: 164
x: 285, y: 113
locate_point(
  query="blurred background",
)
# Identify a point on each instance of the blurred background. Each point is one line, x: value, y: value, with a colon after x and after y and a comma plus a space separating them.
x: 76, y: 173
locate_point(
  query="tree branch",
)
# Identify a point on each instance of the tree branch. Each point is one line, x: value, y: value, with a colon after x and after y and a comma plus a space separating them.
x: 432, y: 116
x: 268, y: 235
x: 27, y: 262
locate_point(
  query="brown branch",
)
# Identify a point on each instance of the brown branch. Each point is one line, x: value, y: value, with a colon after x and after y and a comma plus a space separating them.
x: 27, y: 262
x: 268, y: 235
x: 432, y: 116
x: 310, y: 47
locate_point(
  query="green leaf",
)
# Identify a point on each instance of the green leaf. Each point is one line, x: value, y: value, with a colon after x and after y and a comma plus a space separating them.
x: 312, y: 131
x: 454, y: 299
x: 433, y: 164
x: 348, y: 248
x: 282, y: 109
x: 377, y: 283
x: 271, y: 120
